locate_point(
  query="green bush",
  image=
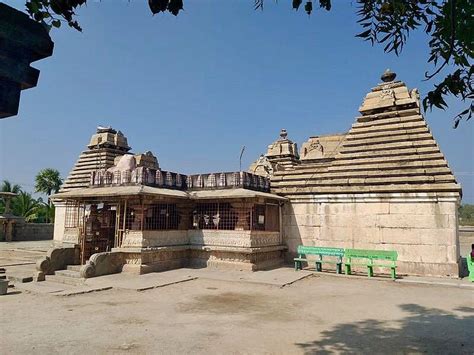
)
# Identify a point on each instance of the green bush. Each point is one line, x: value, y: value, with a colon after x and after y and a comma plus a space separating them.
x: 466, y: 215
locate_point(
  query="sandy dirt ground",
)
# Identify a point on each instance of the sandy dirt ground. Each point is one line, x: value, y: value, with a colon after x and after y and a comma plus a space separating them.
x: 319, y: 314
x: 249, y: 315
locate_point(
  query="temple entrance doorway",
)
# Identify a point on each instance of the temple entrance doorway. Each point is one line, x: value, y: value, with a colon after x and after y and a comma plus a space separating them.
x: 99, y: 233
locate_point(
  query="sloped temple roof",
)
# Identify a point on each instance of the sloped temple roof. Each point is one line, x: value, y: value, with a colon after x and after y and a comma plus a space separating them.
x: 104, y: 147
x: 389, y: 149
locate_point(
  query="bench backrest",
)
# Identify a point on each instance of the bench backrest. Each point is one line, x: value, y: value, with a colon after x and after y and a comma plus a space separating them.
x: 320, y: 251
x: 372, y: 254
x: 470, y: 263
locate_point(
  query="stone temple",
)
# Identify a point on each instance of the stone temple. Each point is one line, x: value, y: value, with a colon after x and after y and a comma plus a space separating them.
x: 382, y: 185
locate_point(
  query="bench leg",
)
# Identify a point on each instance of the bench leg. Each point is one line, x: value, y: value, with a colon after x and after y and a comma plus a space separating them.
x: 339, y: 268
x: 347, y: 269
x: 297, y: 265
x: 319, y: 266
x: 370, y: 271
x: 393, y: 273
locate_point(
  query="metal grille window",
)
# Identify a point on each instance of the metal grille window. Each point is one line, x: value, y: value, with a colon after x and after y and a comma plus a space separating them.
x: 219, y: 216
x: 161, y: 216
x: 133, y: 218
x: 227, y: 216
x: 72, y: 214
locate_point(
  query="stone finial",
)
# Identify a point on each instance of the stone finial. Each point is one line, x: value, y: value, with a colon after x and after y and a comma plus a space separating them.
x: 107, y: 137
x: 388, y: 76
x: 106, y: 129
x: 283, y: 134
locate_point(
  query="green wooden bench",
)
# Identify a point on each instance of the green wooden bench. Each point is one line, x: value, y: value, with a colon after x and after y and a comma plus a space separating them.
x: 304, y: 251
x: 373, y: 258
x: 470, y: 267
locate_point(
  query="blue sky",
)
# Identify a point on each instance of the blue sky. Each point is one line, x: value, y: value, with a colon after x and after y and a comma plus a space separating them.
x: 194, y: 88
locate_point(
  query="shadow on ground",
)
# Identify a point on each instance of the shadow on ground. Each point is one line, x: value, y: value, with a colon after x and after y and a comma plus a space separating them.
x: 424, y: 330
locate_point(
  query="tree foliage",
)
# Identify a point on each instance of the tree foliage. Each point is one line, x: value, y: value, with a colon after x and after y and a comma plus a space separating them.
x: 48, y: 181
x: 448, y: 23
x: 25, y: 205
x: 7, y: 186
x: 466, y: 215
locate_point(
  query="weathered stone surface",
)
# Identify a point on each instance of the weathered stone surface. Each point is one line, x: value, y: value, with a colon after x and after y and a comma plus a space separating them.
x: 39, y: 276
x: 321, y: 147
x: 421, y: 231
x: 103, y: 264
x: 32, y: 231
x: 57, y: 259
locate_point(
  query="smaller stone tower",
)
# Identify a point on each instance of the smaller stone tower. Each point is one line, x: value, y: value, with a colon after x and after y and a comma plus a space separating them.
x: 105, y: 145
x: 281, y: 155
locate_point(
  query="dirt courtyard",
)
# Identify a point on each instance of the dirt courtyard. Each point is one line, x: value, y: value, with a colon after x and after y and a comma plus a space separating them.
x: 315, y: 315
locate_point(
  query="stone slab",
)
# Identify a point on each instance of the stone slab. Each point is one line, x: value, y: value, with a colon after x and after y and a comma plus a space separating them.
x: 15, y: 278
x: 433, y: 281
x: 82, y: 290
x: 280, y: 277
x: 42, y: 287
x: 141, y: 282
x: 57, y: 289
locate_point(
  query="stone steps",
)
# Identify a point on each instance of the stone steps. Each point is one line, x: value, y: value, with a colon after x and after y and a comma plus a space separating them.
x: 74, y: 267
x: 390, y: 133
x: 394, y: 155
x: 68, y: 273
x: 425, y: 164
x: 389, y: 114
x: 65, y: 280
x: 374, y: 141
x: 69, y: 276
x: 395, y: 127
x: 389, y: 146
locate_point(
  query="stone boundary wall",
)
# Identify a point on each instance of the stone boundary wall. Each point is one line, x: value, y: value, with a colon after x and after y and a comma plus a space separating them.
x: 423, y: 230
x: 33, y: 231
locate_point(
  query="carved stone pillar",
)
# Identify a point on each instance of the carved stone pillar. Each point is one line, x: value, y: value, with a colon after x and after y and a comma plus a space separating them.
x: 184, y: 211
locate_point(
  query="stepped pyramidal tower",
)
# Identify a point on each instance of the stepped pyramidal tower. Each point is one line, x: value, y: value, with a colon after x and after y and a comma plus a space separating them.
x: 101, y: 152
x: 383, y: 185
x: 104, y: 146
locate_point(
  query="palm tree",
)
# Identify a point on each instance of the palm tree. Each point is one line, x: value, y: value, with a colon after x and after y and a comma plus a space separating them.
x: 26, y: 206
x: 7, y: 186
x: 48, y: 181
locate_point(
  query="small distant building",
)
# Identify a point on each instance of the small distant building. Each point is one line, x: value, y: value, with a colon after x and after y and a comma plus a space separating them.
x: 383, y: 185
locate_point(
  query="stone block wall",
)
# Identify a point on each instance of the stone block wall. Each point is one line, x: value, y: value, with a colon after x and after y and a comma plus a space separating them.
x: 154, y: 238
x: 234, y: 238
x: 32, y: 231
x: 422, y: 229
x: 59, y: 222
